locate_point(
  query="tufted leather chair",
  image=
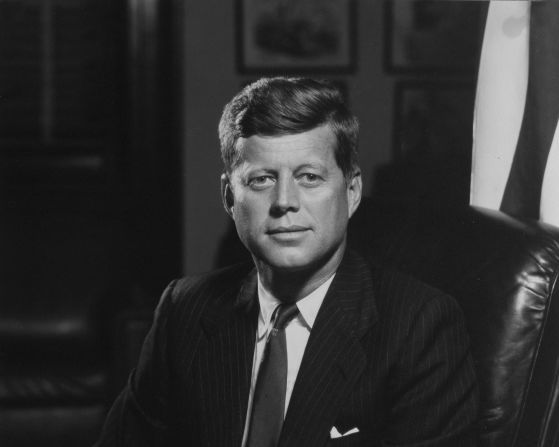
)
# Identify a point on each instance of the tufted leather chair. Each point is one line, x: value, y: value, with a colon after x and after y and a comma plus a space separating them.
x: 503, y: 271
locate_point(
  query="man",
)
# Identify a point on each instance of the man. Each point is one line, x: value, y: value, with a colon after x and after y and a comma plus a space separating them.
x: 313, y: 346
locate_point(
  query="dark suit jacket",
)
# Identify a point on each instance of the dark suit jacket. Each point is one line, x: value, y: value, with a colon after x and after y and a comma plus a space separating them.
x: 387, y: 354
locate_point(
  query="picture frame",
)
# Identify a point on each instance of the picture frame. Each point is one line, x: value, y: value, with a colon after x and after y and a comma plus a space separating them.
x: 287, y: 36
x: 433, y: 121
x: 425, y: 36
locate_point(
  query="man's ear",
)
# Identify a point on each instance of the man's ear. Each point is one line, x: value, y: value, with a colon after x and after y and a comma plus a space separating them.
x: 227, y: 197
x: 354, y: 191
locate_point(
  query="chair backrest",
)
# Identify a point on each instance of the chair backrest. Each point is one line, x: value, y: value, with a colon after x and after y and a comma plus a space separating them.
x: 503, y: 271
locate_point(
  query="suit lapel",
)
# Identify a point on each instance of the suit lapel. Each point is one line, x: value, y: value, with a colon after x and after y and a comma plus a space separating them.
x: 334, y: 358
x: 230, y: 328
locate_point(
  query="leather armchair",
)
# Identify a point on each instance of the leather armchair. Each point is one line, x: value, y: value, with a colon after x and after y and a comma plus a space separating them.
x: 503, y: 272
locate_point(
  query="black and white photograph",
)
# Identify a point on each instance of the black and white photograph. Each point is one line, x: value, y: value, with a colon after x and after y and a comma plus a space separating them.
x: 433, y: 35
x: 279, y: 223
x: 293, y: 35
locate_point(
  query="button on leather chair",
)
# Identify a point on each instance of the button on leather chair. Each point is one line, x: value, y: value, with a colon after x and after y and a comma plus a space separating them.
x: 503, y: 272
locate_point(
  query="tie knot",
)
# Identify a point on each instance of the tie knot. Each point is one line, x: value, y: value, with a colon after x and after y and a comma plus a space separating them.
x: 284, y: 314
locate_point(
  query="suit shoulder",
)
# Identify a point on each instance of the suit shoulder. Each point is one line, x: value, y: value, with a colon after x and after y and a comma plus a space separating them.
x: 185, y: 300
x: 208, y: 286
x: 395, y: 288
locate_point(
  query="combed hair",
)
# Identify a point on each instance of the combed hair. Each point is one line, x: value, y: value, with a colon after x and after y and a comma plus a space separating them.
x: 281, y: 106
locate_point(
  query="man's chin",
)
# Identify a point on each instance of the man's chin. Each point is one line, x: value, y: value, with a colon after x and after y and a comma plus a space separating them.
x: 285, y: 264
x: 303, y: 258
x: 294, y: 263
x: 288, y: 266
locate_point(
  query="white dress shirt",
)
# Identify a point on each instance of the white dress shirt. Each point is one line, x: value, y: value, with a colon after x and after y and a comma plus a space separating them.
x: 297, y: 334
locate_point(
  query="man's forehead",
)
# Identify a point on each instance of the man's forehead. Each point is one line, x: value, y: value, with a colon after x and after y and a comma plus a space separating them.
x: 323, y: 135
x: 285, y: 148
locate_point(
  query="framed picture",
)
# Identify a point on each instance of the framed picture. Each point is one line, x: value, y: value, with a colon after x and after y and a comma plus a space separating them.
x: 433, y: 121
x: 295, y: 35
x: 433, y: 35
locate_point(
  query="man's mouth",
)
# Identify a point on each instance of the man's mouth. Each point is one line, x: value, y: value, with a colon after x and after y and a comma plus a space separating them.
x: 288, y: 229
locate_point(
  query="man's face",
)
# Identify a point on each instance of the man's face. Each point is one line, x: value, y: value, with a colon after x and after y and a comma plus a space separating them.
x: 290, y: 201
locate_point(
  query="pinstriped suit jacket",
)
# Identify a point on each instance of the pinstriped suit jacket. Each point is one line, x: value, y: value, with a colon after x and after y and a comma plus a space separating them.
x: 387, y: 354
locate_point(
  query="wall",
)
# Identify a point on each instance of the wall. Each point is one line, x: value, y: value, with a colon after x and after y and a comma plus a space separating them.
x: 211, y: 79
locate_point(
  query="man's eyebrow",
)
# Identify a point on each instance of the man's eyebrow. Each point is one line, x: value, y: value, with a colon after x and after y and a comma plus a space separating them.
x: 314, y: 165
x: 252, y: 169
x: 258, y: 170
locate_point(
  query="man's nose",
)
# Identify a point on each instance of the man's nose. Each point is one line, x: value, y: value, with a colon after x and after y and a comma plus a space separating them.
x: 286, y: 196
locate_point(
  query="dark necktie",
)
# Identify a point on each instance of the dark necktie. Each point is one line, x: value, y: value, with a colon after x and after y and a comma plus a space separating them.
x: 268, y: 403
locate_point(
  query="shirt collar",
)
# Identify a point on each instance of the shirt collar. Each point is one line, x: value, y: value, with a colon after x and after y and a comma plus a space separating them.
x: 308, y: 306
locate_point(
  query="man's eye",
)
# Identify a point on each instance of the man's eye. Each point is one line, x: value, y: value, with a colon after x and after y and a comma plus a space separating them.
x: 310, y: 179
x: 261, y: 181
